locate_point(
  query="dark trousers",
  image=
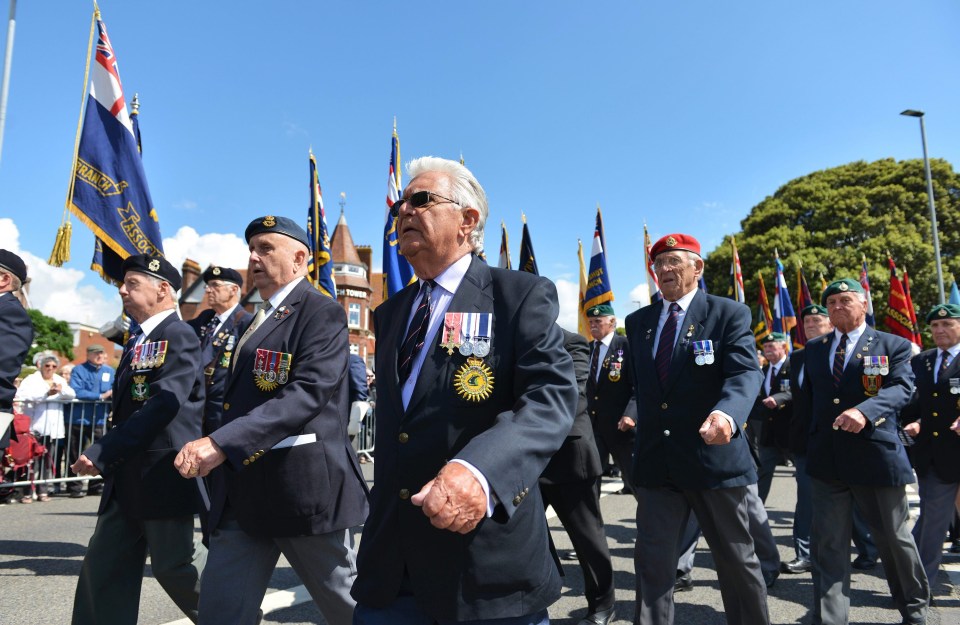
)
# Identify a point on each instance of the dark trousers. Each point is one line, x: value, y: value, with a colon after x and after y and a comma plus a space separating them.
x: 578, y: 508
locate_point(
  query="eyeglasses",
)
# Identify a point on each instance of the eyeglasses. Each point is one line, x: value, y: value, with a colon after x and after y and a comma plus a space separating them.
x: 418, y: 200
x: 668, y: 262
x: 215, y: 285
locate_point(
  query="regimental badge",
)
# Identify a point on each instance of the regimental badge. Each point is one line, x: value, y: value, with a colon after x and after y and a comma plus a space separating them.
x: 153, y: 265
x: 140, y: 390
x: 474, y: 380
x: 670, y: 241
x: 228, y: 351
x: 149, y: 355
x: 703, y: 353
x: 843, y: 286
x: 452, y: 327
x: 269, y: 221
x: 216, y: 271
x: 271, y: 369
x: 943, y: 312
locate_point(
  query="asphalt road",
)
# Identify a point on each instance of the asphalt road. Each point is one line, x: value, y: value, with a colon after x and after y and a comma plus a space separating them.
x: 42, y: 545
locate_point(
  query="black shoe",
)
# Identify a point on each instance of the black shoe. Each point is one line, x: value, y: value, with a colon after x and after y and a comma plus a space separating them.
x: 863, y: 563
x: 800, y: 565
x: 612, y: 472
x: 570, y: 555
x: 770, y: 579
x: 684, y: 583
x: 601, y: 617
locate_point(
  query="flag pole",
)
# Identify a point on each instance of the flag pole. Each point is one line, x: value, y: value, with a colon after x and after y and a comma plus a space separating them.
x: 61, y: 246
x: 7, y: 61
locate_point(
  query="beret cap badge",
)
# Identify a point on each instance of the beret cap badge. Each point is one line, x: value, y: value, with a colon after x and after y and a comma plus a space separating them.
x: 670, y: 241
x: 843, y: 286
x: 154, y: 265
x: 943, y: 312
x: 269, y: 221
x: 216, y: 271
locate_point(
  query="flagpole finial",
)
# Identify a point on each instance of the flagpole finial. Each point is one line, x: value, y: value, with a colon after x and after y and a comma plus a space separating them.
x: 135, y: 104
x: 776, y: 253
x: 523, y: 217
x: 394, y: 123
x: 888, y: 255
x: 343, y: 201
x: 799, y: 263
x: 96, y: 9
x: 863, y: 258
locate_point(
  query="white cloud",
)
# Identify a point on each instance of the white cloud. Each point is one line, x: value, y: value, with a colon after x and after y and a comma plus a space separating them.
x: 228, y: 250
x: 641, y: 294
x: 569, y: 295
x: 57, y: 291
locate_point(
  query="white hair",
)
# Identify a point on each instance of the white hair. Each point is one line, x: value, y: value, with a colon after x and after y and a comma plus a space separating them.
x: 464, y: 189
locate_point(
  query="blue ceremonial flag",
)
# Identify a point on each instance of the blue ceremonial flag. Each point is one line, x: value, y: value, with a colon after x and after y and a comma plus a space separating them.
x: 320, y: 263
x: 784, y: 316
x: 397, y: 272
x: 528, y: 261
x: 598, y: 279
x: 108, y: 191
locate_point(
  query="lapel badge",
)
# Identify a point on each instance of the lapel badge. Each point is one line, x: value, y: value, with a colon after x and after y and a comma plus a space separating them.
x: 452, y: 327
x: 140, y: 389
x: 649, y: 334
x: 474, y: 380
x: 282, y: 313
x: 271, y: 369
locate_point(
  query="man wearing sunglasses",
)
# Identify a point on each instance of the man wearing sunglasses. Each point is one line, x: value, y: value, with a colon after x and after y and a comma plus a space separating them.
x: 475, y: 394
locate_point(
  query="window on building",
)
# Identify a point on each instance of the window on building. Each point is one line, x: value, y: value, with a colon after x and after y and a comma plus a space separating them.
x: 353, y: 316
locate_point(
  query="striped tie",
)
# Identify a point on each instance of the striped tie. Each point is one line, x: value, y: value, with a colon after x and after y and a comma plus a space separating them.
x: 839, y: 358
x: 416, y: 333
x: 944, y: 363
x: 665, y: 346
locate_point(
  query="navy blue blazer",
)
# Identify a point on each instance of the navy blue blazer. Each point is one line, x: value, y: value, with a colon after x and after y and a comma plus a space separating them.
x: 136, y: 455
x: 217, y: 358
x: 669, y: 449
x: 610, y: 399
x: 775, y: 431
x: 799, y: 429
x: 314, y: 485
x: 938, y: 447
x: 503, y: 568
x: 16, y: 336
x: 874, y: 456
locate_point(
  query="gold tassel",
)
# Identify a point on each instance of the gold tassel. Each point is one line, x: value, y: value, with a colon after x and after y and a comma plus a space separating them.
x: 61, y: 247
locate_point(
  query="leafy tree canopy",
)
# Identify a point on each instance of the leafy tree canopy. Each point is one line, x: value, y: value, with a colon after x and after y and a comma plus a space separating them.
x: 830, y: 219
x: 49, y: 334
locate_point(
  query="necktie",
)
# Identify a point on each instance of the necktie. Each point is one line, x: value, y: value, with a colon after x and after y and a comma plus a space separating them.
x: 665, y: 346
x: 944, y: 363
x: 416, y: 333
x: 594, y: 362
x: 128, y: 347
x: 839, y: 358
x: 257, y: 320
x: 208, y: 330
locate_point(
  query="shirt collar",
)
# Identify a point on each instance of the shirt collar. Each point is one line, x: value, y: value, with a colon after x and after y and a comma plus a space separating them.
x: 225, y: 314
x: 684, y: 301
x: 285, y: 290
x: 853, y: 336
x: 151, y: 324
x: 608, y: 338
x: 451, y: 277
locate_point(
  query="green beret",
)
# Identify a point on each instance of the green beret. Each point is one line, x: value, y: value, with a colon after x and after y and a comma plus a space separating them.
x: 846, y: 285
x: 774, y: 337
x: 944, y: 311
x: 814, y: 309
x: 600, y: 310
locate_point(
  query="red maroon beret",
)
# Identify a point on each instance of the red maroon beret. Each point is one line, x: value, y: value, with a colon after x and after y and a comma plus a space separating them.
x: 674, y: 242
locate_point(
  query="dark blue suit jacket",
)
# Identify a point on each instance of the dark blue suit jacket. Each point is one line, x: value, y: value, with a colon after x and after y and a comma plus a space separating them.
x: 503, y: 568
x: 16, y: 335
x: 136, y: 455
x: 669, y: 449
x: 609, y: 400
x: 874, y: 456
x: 306, y: 489
x: 216, y: 360
x: 938, y: 447
x: 799, y: 430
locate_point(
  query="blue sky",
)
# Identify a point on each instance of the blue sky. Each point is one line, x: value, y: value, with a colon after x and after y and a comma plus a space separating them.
x: 683, y: 115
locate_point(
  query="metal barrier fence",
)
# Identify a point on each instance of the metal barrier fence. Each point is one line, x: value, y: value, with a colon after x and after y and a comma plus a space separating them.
x: 53, y: 467
x: 365, y: 440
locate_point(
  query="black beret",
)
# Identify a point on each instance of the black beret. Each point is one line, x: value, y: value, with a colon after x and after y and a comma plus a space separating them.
x: 944, y: 311
x: 224, y: 274
x: 14, y: 264
x: 279, y: 225
x: 814, y: 309
x: 155, y: 266
x: 846, y: 285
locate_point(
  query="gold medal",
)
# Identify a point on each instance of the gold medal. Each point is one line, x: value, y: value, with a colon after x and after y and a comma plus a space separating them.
x: 474, y: 380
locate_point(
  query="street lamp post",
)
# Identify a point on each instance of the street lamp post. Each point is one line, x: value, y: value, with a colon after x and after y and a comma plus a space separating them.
x: 933, y: 208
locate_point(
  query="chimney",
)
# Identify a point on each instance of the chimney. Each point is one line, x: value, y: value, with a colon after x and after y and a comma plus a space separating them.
x: 190, y: 273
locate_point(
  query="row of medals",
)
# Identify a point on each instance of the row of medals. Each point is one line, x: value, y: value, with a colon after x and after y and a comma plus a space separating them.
x: 151, y: 355
x: 876, y: 365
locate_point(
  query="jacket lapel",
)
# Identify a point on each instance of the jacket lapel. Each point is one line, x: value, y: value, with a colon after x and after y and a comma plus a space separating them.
x: 689, y: 330
x: 389, y: 346
x: 864, y: 347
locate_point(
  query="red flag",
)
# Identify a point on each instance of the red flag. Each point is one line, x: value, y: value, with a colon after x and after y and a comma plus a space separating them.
x: 899, y: 319
x: 803, y: 300
x: 764, y: 320
x: 917, y: 337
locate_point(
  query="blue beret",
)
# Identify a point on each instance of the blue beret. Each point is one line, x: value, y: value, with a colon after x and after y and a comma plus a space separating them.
x: 278, y: 225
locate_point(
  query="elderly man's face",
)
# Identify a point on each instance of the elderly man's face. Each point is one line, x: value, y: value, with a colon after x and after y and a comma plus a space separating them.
x: 946, y: 332
x: 774, y: 351
x: 96, y: 358
x: 847, y: 311
x: 275, y: 260
x: 676, y: 274
x: 141, y: 294
x: 602, y: 326
x: 816, y: 325
x: 221, y: 294
x: 436, y: 234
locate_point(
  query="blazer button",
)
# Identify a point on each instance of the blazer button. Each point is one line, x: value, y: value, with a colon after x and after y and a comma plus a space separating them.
x: 936, y: 433
x: 666, y: 432
x: 936, y: 395
x: 836, y: 400
x: 246, y: 461
x: 226, y: 406
x: 663, y: 406
x: 404, y: 493
x: 596, y: 397
x: 935, y: 414
x: 404, y: 437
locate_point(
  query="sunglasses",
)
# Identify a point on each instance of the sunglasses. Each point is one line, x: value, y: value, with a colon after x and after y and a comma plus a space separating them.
x: 418, y: 201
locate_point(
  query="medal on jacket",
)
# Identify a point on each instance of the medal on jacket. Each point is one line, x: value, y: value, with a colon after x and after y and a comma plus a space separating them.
x: 615, y: 367
x: 228, y: 351
x: 874, y: 368
x: 271, y: 369
x: 784, y: 386
x: 140, y: 390
x: 703, y: 353
x: 475, y: 334
x: 451, y: 339
x: 149, y: 355
x: 955, y: 386
x: 474, y: 380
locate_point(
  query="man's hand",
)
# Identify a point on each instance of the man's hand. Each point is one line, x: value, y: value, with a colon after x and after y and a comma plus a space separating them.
x: 454, y: 500
x: 199, y: 457
x: 769, y: 402
x: 106, y: 395
x: 626, y: 424
x: 850, y: 420
x: 956, y: 426
x: 716, y: 430
x: 912, y: 429
x: 83, y: 466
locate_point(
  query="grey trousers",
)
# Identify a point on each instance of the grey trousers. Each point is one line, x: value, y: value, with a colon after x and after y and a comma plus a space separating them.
x: 108, y: 590
x: 662, y: 514
x: 937, y: 505
x: 240, y: 565
x: 886, y: 512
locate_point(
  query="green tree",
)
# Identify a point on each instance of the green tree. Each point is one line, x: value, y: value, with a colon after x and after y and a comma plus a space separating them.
x: 830, y: 219
x: 49, y: 334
